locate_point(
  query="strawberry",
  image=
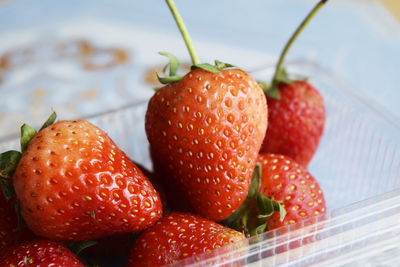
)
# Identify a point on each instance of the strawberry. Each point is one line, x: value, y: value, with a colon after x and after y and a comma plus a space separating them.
x: 296, y: 122
x: 207, y: 140
x: 205, y: 130
x: 282, y: 192
x: 39, y: 253
x: 289, y: 183
x: 73, y: 183
x: 177, y: 236
x: 10, y: 234
x: 296, y: 111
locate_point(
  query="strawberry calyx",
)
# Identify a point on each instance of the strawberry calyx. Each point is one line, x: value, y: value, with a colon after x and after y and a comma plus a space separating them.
x: 171, y: 68
x: 219, y: 65
x: 281, y: 75
x: 272, y: 89
x: 9, y: 160
x: 252, y: 216
x: 8, y: 163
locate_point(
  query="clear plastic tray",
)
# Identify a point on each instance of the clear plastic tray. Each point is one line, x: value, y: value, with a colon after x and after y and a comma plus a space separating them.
x: 357, y: 165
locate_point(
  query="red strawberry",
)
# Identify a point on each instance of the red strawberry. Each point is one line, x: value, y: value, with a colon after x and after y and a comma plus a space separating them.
x: 73, y: 183
x: 296, y: 122
x: 177, y: 236
x: 289, y: 183
x: 9, y: 232
x: 39, y: 253
x: 205, y: 132
x: 296, y: 111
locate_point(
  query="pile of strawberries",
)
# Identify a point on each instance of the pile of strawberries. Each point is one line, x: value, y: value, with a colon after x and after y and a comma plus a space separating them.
x: 226, y: 167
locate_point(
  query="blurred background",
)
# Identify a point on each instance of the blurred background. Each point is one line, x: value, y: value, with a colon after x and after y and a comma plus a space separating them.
x: 88, y: 57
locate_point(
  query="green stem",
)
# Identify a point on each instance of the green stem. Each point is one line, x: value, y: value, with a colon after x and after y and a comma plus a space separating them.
x: 294, y: 37
x: 183, y: 30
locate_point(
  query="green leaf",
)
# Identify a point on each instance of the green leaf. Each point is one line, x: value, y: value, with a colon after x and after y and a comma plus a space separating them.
x: 27, y: 133
x: 255, y: 181
x: 243, y: 218
x: 252, y: 216
x: 8, y: 163
x: 238, y: 218
x: 169, y: 79
x: 265, y: 206
x: 278, y: 207
x: 173, y: 63
x: 261, y: 229
x: 7, y: 188
x: 283, y: 77
x: 222, y: 65
x: 264, y: 85
x: 49, y: 121
x: 272, y: 91
x: 78, y: 247
x: 206, y: 67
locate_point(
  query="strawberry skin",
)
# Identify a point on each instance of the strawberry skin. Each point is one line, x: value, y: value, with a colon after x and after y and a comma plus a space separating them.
x: 74, y: 183
x: 177, y: 236
x: 9, y: 235
x: 295, y: 122
x: 39, y: 253
x: 287, y: 182
x: 205, y: 132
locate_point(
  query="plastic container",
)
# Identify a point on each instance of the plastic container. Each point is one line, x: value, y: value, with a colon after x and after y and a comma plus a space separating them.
x: 357, y: 165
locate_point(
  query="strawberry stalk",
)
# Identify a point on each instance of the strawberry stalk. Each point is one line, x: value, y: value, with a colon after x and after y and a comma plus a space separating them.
x: 280, y: 75
x: 174, y: 63
x: 252, y: 216
x: 183, y: 30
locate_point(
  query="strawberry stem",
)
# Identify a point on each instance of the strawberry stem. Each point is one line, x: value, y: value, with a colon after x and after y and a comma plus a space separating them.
x: 293, y: 38
x: 183, y: 30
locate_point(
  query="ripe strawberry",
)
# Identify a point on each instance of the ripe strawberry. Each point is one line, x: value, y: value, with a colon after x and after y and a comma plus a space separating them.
x: 10, y: 234
x: 177, y: 236
x: 73, y: 183
x: 296, y: 122
x: 289, y: 183
x: 296, y: 111
x: 205, y: 132
x: 39, y: 253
